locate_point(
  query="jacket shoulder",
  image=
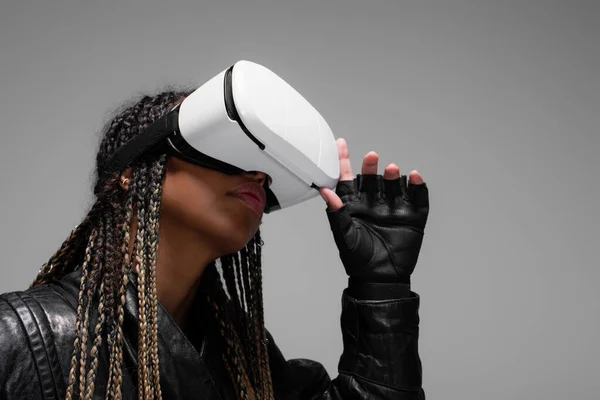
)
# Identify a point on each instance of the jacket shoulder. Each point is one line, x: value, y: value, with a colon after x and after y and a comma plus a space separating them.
x: 36, y: 336
x: 296, y: 378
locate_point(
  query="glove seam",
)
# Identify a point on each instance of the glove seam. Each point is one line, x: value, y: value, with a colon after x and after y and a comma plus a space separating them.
x: 415, y: 298
x: 408, y: 227
x: 358, y: 376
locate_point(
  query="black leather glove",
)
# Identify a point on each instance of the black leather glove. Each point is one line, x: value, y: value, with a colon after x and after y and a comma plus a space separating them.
x: 379, y: 229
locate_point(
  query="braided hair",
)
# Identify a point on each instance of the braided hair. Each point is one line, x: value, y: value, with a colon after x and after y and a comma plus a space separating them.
x: 99, y: 248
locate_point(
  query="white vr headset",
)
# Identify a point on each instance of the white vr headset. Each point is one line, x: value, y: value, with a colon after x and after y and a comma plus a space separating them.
x: 246, y: 119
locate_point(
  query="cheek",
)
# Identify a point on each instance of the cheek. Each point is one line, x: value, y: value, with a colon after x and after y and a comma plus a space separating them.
x: 190, y: 203
x: 222, y: 219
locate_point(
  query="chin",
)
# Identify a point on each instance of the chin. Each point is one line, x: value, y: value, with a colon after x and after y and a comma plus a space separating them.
x: 234, y: 236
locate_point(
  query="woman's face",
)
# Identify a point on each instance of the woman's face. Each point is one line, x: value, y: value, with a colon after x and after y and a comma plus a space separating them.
x: 225, y: 210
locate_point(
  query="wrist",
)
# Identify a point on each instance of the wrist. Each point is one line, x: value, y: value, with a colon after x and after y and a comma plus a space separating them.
x: 362, y: 289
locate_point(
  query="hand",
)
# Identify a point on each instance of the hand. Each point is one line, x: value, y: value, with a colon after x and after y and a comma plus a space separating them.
x: 377, y: 222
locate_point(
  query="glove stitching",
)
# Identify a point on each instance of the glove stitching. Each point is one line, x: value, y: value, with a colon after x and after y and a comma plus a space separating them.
x: 387, y: 247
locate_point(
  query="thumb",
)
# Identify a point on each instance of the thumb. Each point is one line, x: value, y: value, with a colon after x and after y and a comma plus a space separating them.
x: 345, y: 232
x: 331, y: 198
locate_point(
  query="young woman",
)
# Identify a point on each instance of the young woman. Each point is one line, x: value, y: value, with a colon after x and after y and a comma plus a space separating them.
x: 157, y: 292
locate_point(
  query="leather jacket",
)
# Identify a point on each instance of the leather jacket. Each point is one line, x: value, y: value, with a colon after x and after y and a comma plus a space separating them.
x: 380, y: 358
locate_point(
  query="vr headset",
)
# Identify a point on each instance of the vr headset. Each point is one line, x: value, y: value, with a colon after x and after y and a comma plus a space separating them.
x: 245, y: 119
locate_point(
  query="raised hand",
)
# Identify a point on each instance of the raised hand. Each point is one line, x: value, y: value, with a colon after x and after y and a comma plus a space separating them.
x: 377, y: 222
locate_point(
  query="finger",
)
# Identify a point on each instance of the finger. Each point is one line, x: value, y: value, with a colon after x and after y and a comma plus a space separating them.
x: 369, y: 165
x: 415, y: 178
x: 391, y: 180
x: 418, y: 190
x: 331, y: 198
x: 344, y: 231
x: 369, y: 183
x: 344, y: 156
x: 392, y: 187
x: 392, y: 171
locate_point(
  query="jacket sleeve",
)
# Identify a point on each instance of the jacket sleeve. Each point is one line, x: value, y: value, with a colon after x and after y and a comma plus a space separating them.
x: 18, y: 373
x: 380, y: 358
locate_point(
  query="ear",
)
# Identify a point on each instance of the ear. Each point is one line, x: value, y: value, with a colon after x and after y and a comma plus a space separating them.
x: 125, y: 178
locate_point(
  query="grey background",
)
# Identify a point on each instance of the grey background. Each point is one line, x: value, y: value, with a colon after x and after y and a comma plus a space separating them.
x: 495, y: 103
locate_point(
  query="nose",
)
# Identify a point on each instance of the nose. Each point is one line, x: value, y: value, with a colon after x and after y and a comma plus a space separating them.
x: 259, y: 177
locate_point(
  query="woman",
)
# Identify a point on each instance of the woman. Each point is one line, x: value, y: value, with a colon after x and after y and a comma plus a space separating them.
x: 157, y: 292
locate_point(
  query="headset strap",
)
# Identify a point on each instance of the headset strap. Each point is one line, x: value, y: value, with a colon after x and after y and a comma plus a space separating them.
x: 143, y: 142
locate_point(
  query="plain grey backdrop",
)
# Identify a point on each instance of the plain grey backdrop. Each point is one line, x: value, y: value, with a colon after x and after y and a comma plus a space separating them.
x: 496, y: 104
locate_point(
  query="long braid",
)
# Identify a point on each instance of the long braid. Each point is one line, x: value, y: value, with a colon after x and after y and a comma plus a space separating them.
x: 238, y: 273
x: 147, y: 234
x: 78, y: 325
x: 255, y: 320
x: 158, y: 171
x: 89, y: 296
x: 240, y: 321
x: 230, y: 282
x: 91, y: 374
x: 237, y: 349
x: 262, y: 379
x: 247, y: 309
x: 234, y: 357
x: 268, y: 384
x: 139, y: 188
x: 229, y: 275
x: 106, y: 301
x: 250, y: 300
x: 245, y: 278
x: 116, y: 373
x: 109, y: 283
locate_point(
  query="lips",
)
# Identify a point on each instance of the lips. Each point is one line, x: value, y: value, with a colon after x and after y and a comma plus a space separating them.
x: 253, y: 195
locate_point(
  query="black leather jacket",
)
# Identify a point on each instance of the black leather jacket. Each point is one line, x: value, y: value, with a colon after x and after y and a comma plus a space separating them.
x: 380, y: 359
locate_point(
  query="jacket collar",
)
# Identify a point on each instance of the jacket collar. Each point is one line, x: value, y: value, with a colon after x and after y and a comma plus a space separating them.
x: 185, y: 372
